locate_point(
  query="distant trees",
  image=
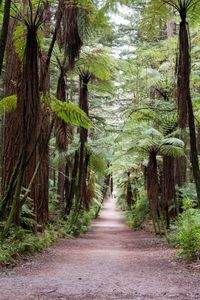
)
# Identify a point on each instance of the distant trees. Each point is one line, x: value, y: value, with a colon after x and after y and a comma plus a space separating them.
x: 159, y: 95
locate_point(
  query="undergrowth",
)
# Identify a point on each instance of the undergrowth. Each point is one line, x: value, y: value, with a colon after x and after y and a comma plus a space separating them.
x: 21, y: 242
x: 185, y: 232
x: 137, y: 214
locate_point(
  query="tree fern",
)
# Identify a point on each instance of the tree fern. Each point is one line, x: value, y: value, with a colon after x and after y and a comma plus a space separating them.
x: 96, y: 62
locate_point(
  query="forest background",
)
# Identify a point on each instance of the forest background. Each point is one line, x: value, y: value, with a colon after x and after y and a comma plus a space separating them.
x: 96, y: 96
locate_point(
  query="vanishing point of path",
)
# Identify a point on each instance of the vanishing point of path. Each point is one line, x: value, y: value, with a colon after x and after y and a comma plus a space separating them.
x: 109, y: 262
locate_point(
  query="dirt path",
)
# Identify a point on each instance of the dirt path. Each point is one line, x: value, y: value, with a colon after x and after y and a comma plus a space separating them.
x: 110, y: 262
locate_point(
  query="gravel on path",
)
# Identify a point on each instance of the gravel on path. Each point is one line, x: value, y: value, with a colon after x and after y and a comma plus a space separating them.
x: 110, y: 262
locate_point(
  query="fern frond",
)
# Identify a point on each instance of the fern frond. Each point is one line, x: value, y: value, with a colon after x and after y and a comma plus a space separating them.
x: 96, y: 62
x: 70, y: 113
x: 170, y: 150
x: 149, y: 145
x: 173, y: 141
x: 97, y: 164
x: 168, y: 123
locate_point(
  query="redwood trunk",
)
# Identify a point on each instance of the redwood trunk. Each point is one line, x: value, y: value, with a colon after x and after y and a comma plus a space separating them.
x: 152, y: 185
x: 83, y: 104
x: 11, y: 120
x: 169, y: 194
x: 185, y: 96
x: 70, y: 196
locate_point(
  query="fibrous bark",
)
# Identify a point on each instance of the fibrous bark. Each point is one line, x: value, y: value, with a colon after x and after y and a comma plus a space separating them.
x: 168, y: 187
x: 11, y: 120
x: 4, y: 31
x: 152, y: 187
x: 83, y: 158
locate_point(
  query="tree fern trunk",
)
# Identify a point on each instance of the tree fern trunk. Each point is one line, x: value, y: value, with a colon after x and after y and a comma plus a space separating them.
x: 129, y: 193
x: 29, y: 107
x: 83, y: 104
x: 168, y: 193
x: 184, y: 77
x: 70, y: 196
x: 4, y: 31
x: 152, y: 187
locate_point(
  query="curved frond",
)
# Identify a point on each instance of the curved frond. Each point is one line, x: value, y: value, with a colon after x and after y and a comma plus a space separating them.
x: 96, y: 62
x: 97, y: 164
x: 70, y: 113
x: 149, y: 145
x: 173, y: 141
x: 170, y: 150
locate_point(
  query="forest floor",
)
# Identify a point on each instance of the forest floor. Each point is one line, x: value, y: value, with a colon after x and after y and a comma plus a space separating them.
x: 109, y: 262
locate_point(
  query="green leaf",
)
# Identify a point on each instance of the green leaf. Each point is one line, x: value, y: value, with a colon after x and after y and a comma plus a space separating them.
x: 19, y: 38
x: 70, y: 113
x: 95, y: 61
x: 97, y: 164
x: 174, y: 142
x: 173, y: 151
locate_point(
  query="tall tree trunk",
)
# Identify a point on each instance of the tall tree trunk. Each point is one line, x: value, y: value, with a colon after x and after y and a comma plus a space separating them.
x: 41, y: 200
x: 28, y: 108
x: 182, y: 92
x: 63, y: 134
x: 83, y: 104
x: 4, y: 31
x: 41, y: 184
x: 70, y: 196
x: 129, y: 193
x: 168, y: 193
x: 11, y: 131
x: 185, y: 96
x: 152, y: 187
x: 198, y: 138
x: 61, y: 184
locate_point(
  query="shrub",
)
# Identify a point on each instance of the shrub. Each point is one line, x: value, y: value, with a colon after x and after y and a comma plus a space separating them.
x: 19, y: 242
x: 138, y: 213
x: 186, y: 233
x: 24, y: 242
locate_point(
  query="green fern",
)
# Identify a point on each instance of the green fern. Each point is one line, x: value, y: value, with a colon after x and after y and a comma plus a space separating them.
x: 70, y: 113
x: 94, y: 61
x: 97, y: 164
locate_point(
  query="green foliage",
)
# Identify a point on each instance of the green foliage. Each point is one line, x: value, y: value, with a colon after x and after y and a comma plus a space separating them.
x: 70, y: 113
x: 154, y: 16
x: 20, y: 40
x: 95, y: 61
x: 24, y: 242
x: 97, y: 164
x: 172, y: 147
x: 77, y: 225
x: 138, y: 213
x: 20, y: 33
x: 186, y: 234
x: 20, y: 242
